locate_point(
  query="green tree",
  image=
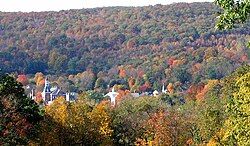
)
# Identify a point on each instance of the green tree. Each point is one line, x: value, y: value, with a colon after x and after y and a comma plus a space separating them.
x: 210, y: 115
x: 182, y: 74
x: 100, y: 83
x: 237, y: 129
x: 216, y: 114
x: 92, y: 96
x: 19, y: 115
x: 235, y: 12
x: 129, y: 116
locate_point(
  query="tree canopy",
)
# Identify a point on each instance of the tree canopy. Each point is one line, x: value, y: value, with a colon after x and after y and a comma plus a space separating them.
x: 234, y: 12
x: 19, y: 115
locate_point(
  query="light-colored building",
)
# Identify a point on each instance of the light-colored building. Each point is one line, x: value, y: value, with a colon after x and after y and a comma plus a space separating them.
x: 49, y: 93
x: 112, y: 95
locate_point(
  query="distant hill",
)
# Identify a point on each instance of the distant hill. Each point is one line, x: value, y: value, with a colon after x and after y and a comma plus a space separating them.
x: 162, y: 41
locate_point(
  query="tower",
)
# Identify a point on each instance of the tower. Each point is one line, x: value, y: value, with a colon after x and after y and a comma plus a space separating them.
x: 46, y: 91
x: 32, y: 94
x: 163, y: 90
x: 67, y: 96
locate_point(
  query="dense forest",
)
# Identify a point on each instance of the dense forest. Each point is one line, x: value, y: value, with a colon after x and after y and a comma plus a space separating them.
x: 172, y: 43
x: 135, y: 49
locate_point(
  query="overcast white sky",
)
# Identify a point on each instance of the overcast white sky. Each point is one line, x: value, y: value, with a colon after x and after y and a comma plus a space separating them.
x: 56, y: 5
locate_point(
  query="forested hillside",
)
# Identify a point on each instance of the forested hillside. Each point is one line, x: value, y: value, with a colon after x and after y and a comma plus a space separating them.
x: 172, y: 43
x: 136, y: 49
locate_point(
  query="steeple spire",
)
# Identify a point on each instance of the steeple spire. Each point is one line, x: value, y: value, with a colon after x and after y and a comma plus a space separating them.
x: 47, y: 85
x: 163, y: 89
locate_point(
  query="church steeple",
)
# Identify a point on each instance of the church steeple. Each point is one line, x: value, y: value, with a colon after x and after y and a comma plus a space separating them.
x: 163, y: 90
x: 46, y: 91
x: 47, y: 85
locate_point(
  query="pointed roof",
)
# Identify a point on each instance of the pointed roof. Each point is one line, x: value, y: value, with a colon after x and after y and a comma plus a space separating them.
x: 47, y: 85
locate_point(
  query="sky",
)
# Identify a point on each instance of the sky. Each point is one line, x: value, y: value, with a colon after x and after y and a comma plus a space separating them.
x: 56, y: 5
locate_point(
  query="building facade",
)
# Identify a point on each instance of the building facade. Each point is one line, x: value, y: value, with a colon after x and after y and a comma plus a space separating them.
x: 49, y: 93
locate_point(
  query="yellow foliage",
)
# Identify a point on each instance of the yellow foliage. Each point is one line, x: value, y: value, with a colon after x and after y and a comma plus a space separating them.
x: 216, y: 139
x: 100, y: 117
x: 39, y: 79
x: 212, y: 142
x: 58, y: 110
x: 32, y: 143
x: 76, y: 123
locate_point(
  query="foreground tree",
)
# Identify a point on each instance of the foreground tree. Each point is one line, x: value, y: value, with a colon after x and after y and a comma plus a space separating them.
x: 129, y: 116
x: 235, y: 12
x: 210, y: 115
x: 237, y: 125
x: 165, y: 128
x: 235, y: 94
x: 19, y: 115
x: 237, y: 130
x: 78, y: 123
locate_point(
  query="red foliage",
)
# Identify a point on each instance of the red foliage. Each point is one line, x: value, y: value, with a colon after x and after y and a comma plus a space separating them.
x: 39, y: 97
x: 170, y: 61
x: 122, y: 72
x: 23, y: 79
x: 244, y: 58
x: 145, y: 86
x: 140, y: 73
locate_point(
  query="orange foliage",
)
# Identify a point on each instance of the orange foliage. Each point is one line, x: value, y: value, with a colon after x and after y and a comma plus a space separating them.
x: 190, y: 142
x: 122, y: 72
x: 170, y: 61
x: 159, y: 125
x: 39, y: 97
x: 100, y: 117
x: 193, y: 90
x: 207, y: 87
x: 176, y: 63
x: 170, y: 88
x: 131, y: 82
x: 196, y: 67
x: 122, y: 94
x: 229, y: 54
x: 23, y: 79
x: 161, y: 130
x: 16, y: 123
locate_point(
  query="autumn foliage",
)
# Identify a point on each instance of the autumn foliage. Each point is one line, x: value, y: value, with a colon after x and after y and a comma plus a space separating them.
x: 23, y: 79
